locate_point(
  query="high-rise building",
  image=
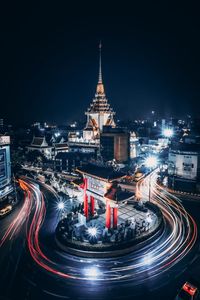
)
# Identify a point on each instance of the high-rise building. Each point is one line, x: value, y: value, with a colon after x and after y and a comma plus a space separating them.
x: 99, y: 113
x: 5, y: 167
x: 115, y: 144
x: 184, y: 167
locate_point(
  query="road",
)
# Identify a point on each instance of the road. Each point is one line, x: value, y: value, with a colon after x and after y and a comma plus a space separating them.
x: 33, y: 268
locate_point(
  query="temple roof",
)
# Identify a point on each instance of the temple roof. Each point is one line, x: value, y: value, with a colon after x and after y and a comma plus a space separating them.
x: 39, y: 142
x: 100, y: 102
x: 103, y: 173
x: 118, y: 194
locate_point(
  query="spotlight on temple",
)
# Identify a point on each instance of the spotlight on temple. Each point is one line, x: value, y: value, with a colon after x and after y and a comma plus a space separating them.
x: 92, y: 231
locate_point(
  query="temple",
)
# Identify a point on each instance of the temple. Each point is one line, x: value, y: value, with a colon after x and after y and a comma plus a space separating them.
x: 100, y: 186
x: 99, y: 113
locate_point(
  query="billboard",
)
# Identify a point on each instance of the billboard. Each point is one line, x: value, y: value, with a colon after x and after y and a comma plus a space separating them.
x: 5, y: 169
x: 183, y: 165
x: 3, y: 164
x: 4, y: 140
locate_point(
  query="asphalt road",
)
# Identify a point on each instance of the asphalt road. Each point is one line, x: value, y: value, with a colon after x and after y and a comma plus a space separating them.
x: 21, y: 277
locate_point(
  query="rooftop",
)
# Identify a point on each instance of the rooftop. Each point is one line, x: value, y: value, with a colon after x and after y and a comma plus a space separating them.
x: 105, y: 173
x: 185, y: 147
x: 39, y: 142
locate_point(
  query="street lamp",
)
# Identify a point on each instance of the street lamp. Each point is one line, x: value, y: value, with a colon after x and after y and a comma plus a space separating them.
x: 151, y: 162
x: 92, y: 231
x: 168, y: 132
x: 61, y: 205
x: 60, y: 208
x: 92, y: 273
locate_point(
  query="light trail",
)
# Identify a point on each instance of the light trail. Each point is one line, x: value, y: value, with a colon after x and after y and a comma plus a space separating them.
x: 21, y: 217
x: 158, y: 256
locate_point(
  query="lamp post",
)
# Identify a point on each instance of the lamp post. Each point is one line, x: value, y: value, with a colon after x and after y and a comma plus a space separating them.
x: 168, y: 133
x: 61, y: 208
x: 151, y: 162
x: 150, y: 187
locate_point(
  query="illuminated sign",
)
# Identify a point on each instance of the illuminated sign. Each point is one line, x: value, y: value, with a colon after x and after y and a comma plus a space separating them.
x: 97, y: 186
x: 3, y: 166
x: 4, y: 140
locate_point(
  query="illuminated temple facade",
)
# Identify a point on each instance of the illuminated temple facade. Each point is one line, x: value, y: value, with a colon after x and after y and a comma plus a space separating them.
x: 99, y: 113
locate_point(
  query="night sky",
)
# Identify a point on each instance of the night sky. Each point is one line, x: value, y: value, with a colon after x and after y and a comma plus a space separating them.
x: 49, y: 59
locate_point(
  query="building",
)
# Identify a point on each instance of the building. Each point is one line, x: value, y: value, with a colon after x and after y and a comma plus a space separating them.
x: 99, y: 113
x: 40, y: 144
x: 115, y: 144
x: 5, y: 167
x: 184, y: 167
x: 59, y: 145
x: 100, y: 186
x: 134, y: 145
x: 49, y: 149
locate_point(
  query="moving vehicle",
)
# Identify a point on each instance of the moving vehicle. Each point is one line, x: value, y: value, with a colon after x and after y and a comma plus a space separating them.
x: 188, y: 292
x: 138, y: 176
x: 4, y: 211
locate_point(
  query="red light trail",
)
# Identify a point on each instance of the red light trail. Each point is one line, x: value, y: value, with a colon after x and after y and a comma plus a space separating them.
x: 178, y: 238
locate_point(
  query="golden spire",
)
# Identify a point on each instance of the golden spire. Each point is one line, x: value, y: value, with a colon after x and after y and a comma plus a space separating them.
x: 100, y: 87
x: 100, y: 73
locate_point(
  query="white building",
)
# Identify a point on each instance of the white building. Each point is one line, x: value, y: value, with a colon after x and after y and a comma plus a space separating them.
x: 184, y: 167
x: 134, y: 145
x: 40, y: 144
x: 49, y: 150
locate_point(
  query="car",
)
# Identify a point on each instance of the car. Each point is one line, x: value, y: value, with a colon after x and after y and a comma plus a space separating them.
x: 188, y: 292
x: 4, y: 211
x: 74, y: 174
x: 138, y: 176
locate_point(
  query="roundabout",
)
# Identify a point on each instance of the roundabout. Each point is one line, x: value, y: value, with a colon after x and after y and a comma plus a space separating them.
x: 106, y: 220
x: 93, y: 239
x: 155, y: 257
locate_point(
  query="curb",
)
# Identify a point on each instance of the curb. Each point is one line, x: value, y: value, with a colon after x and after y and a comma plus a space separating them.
x: 112, y: 252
